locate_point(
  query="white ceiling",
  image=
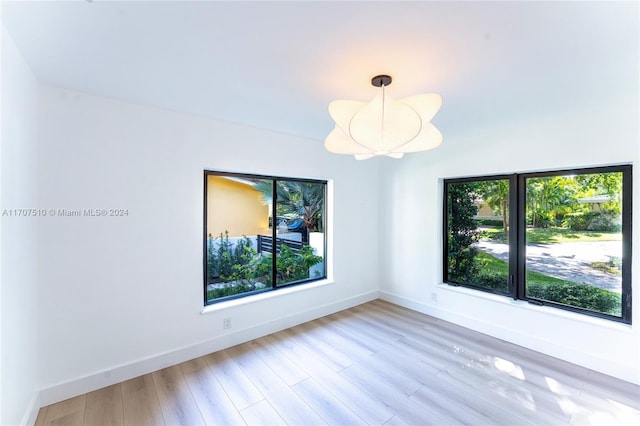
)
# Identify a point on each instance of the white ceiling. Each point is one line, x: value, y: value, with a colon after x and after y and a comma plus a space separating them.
x: 277, y: 65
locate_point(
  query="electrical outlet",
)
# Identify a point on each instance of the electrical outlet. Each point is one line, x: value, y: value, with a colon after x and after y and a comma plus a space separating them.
x: 434, y: 297
x: 226, y: 323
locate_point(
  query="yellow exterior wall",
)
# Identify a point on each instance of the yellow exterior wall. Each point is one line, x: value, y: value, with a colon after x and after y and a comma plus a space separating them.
x: 235, y: 207
x: 486, y: 212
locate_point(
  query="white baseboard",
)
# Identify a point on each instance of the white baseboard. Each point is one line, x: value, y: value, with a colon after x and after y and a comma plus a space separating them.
x: 117, y: 374
x: 529, y: 341
x: 31, y: 414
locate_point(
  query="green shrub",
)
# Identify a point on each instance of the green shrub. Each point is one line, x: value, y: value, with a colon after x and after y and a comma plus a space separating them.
x: 253, y: 271
x: 544, y: 219
x: 462, y: 265
x: 229, y: 290
x: 462, y: 231
x: 292, y: 266
x: 493, y: 281
x: 604, y: 222
x: 489, y: 222
x: 601, y: 221
x: 223, y: 255
x: 575, y: 221
x: 578, y: 295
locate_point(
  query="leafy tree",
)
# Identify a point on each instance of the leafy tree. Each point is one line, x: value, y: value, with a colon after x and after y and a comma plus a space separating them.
x: 602, y: 184
x: 496, y: 194
x: 462, y: 204
x: 304, y: 200
x: 550, y: 198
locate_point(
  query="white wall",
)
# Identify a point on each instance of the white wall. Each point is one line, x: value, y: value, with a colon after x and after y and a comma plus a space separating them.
x: 121, y: 296
x: 19, y: 280
x: 601, y: 132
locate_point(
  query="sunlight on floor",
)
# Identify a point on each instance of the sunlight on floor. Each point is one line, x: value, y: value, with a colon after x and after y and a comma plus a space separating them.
x: 508, y: 367
x: 556, y: 386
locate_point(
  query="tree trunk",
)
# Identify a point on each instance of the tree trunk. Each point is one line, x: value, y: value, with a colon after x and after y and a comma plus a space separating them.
x: 505, y: 226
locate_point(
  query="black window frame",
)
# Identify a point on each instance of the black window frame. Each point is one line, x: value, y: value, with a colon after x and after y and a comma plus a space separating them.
x: 275, y: 285
x: 517, y: 236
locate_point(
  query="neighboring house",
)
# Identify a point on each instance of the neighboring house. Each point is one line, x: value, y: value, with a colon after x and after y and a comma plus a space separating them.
x: 242, y: 211
x: 595, y: 202
x: 485, y: 212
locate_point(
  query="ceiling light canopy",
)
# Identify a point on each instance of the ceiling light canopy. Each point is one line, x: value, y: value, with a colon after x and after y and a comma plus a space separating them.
x: 384, y: 126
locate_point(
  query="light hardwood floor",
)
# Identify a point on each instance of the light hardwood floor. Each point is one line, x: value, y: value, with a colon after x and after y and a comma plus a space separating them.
x: 374, y: 364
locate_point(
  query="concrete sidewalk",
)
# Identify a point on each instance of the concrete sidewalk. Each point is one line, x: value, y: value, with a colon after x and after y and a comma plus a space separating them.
x: 567, y: 261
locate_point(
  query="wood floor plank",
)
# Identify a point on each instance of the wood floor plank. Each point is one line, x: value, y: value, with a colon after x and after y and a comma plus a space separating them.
x: 104, y: 407
x: 347, y: 328
x: 176, y: 401
x: 406, y: 362
x: 365, y: 407
x: 304, y: 333
x: 287, y: 403
x: 396, y: 421
x: 140, y: 402
x: 214, y: 403
x: 618, y: 391
x: 484, y: 399
x: 325, y: 331
x: 262, y: 414
x: 386, y: 394
x: 376, y: 363
x: 478, y: 372
x: 400, y: 378
x: 441, y: 398
x: 360, y: 317
x: 288, y: 371
x: 42, y: 414
x: 605, y: 405
x: 297, y: 337
x: 235, y: 382
x: 66, y: 413
x: 332, y: 410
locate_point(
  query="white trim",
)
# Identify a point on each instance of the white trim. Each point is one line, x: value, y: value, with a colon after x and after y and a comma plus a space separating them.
x: 541, y: 309
x: 31, y: 413
x: 117, y: 374
x: 220, y: 306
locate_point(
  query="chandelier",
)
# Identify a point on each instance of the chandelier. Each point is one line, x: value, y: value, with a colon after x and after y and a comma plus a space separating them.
x: 384, y: 126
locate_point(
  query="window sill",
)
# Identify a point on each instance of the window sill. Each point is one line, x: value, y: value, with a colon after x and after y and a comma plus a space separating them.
x: 221, y: 306
x: 539, y: 309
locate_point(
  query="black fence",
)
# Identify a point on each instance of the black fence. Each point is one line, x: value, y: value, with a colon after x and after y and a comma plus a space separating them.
x: 265, y: 244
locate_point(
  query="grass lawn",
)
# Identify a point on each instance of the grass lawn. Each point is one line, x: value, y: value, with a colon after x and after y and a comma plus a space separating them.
x: 553, y: 235
x: 493, y: 275
x: 544, y: 287
x: 496, y: 266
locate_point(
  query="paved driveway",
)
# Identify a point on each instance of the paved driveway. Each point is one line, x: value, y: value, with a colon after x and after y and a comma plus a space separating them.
x: 567, y: 261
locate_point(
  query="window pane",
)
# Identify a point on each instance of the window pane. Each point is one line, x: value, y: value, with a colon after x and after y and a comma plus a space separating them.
x: 300, y: 231
x: 261, y: 233
x: 574, y: 240
x: 237, y: 213
x: 478, y: 234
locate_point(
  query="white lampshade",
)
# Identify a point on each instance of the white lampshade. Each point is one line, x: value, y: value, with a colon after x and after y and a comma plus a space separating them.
x: 384, y: 126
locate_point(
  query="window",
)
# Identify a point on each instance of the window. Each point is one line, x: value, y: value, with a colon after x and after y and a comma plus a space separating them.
x: 261, y: 233
x: 560, y: 238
